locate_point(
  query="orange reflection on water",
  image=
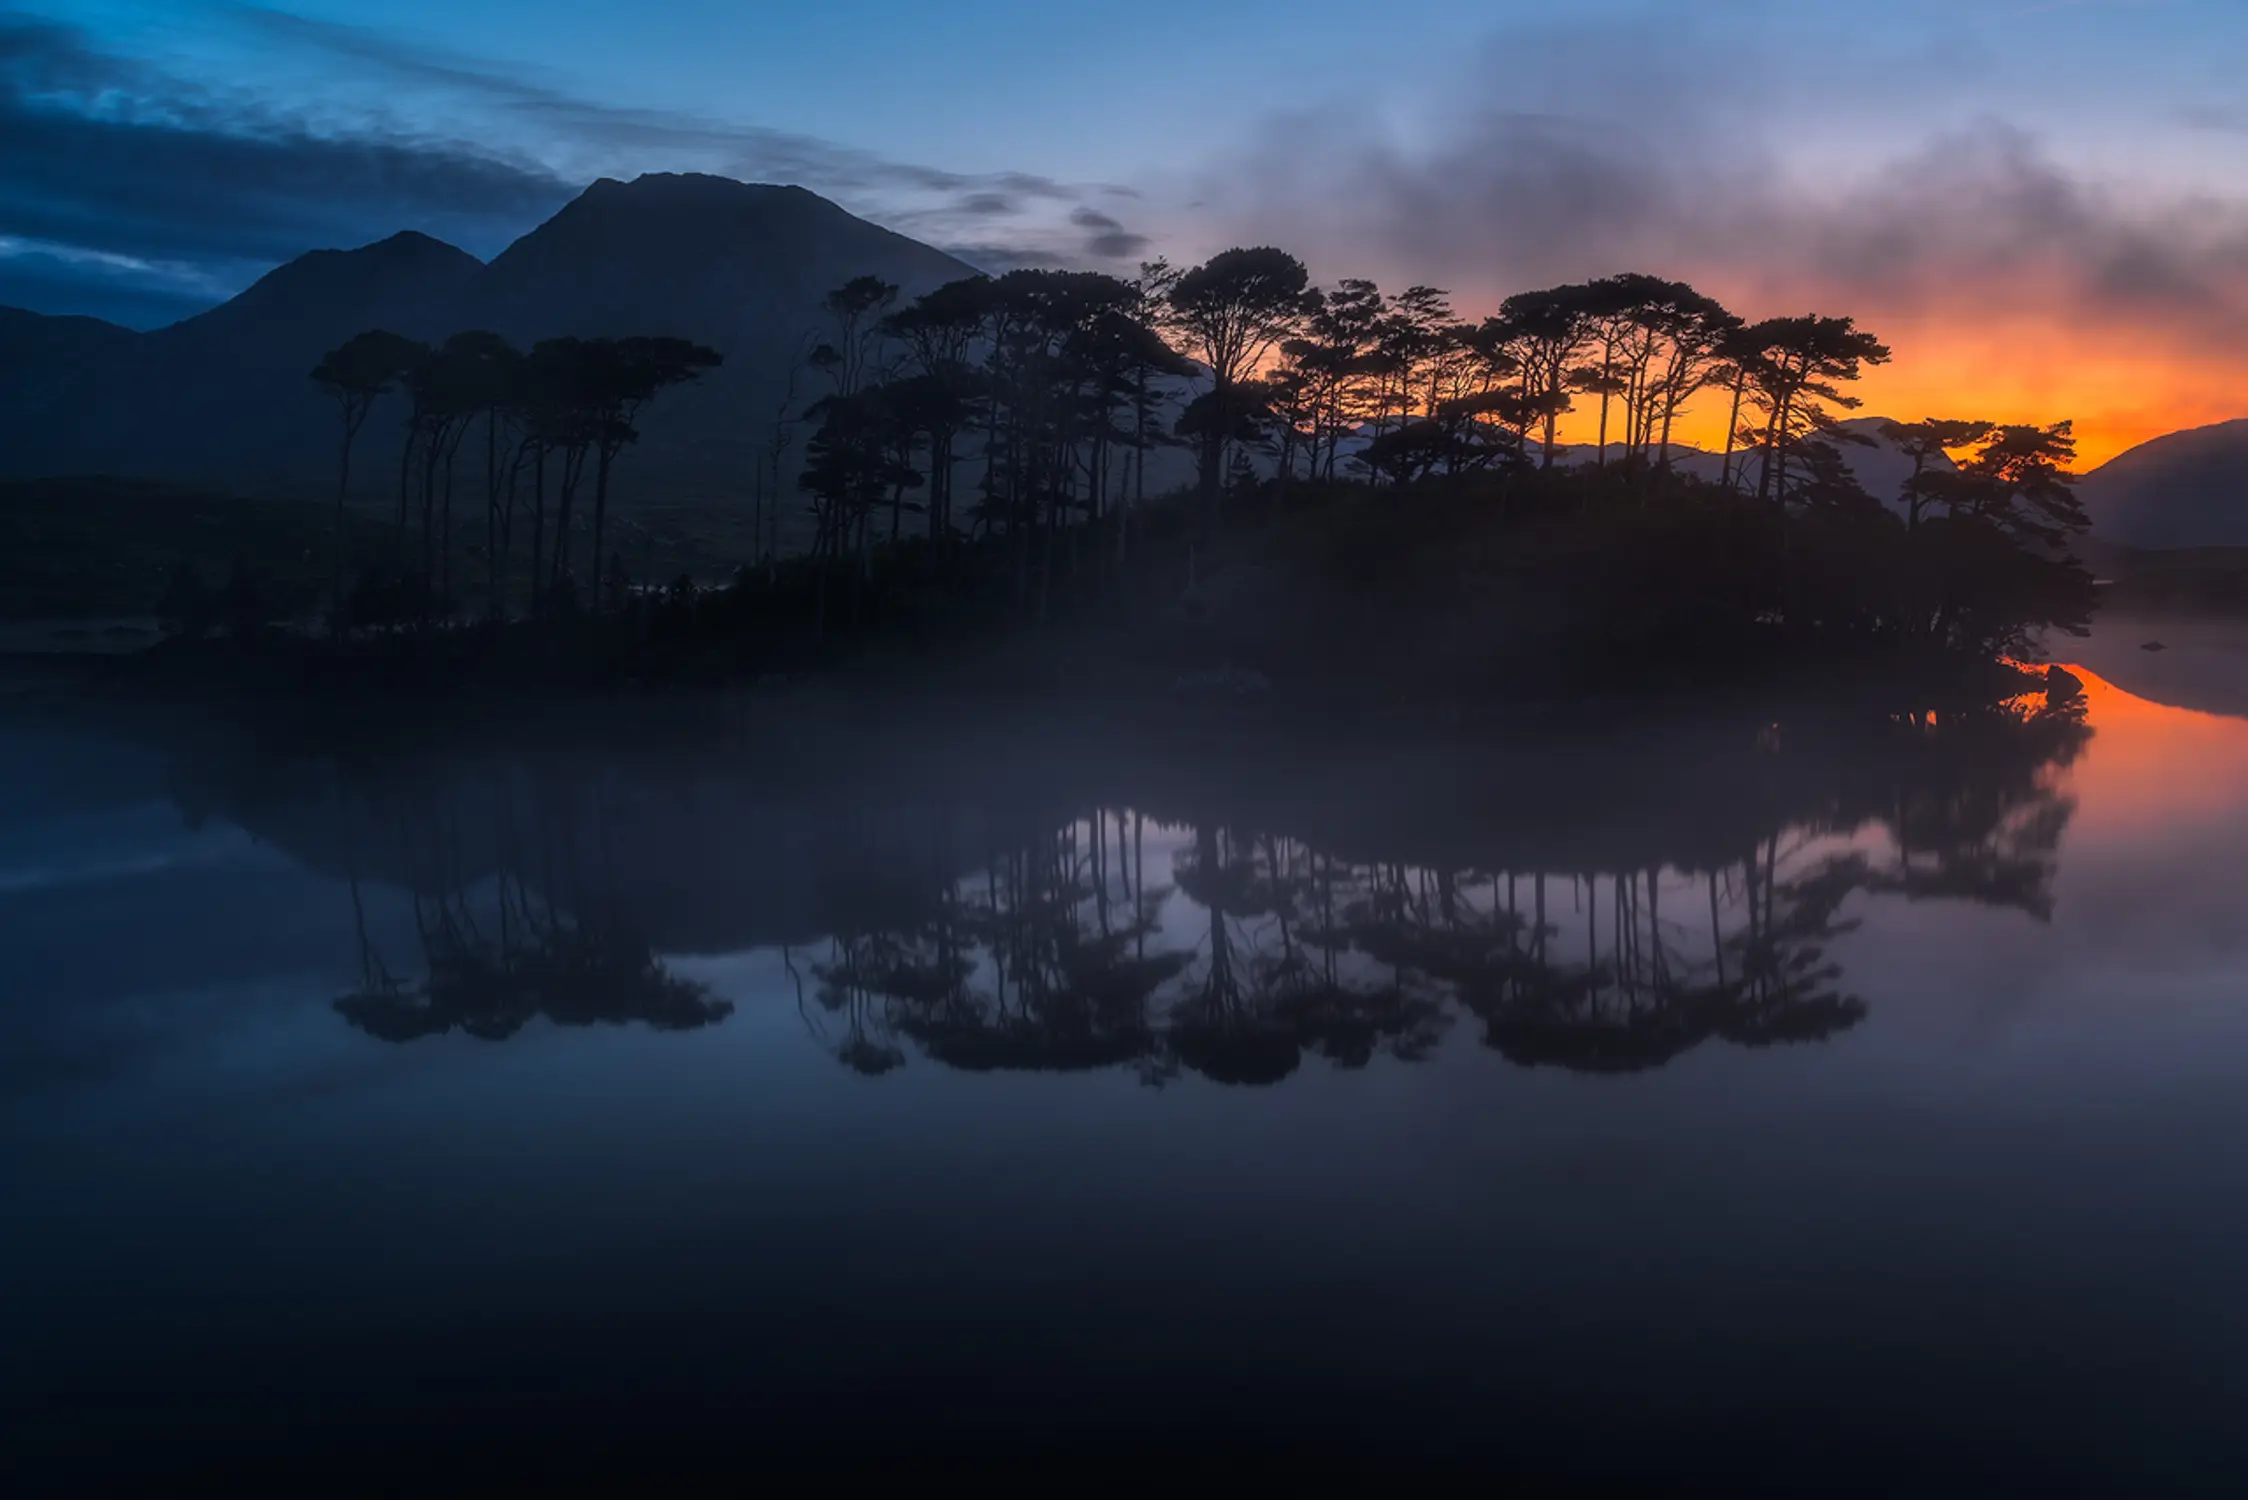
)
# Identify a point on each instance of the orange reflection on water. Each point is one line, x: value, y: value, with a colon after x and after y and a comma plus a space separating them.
x: 2151, y: 767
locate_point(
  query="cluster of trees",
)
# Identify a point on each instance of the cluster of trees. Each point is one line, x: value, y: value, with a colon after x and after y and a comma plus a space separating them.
x: 1327, y: 383
x: 1069, y: 379
x: 1050, y: 383
x: 561, y: 412
x: 991, y: 440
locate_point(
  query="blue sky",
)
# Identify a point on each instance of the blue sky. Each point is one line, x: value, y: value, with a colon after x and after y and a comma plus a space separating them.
x: 1165, y: 98
x: 2038, y: 158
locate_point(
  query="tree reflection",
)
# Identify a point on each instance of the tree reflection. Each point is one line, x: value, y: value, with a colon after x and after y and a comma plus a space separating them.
x: 1049, y: 967
x: 1601, y: 915
x: 495, y: 955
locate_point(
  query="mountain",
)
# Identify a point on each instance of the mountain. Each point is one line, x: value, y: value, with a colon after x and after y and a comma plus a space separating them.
x: 1880, y: 467
x: 740, y: 267
x: 2189, y: 489
x: 698, y: 256
x: 329, y: 295
x: 222, y: 398
x: 49, y: 371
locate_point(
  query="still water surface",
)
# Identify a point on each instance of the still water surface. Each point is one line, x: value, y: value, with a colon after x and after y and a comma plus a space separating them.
x: 1829, y: 1107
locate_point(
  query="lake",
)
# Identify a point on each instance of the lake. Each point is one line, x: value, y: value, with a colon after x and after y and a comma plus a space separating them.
x: 1829, y: 1104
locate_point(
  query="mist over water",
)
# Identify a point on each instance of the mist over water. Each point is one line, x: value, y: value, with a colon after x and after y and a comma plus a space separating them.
x: 836, y: 1082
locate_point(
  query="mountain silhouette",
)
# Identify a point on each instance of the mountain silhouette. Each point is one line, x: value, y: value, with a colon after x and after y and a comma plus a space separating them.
x: 326, y: 296
x: 1866, y: 450
x: 740, y: 267
x: 222, y: 398
x: 2189, y: 489
x: 707, y: 258
x: 50, y: 370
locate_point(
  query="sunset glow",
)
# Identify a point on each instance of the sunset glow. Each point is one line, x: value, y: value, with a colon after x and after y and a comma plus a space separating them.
x: 2119, y: 388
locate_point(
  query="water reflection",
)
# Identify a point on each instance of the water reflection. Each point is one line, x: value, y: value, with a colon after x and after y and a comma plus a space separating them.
x: 536, y: 961
x: 1858, y: 1182
x: 1604, y: 908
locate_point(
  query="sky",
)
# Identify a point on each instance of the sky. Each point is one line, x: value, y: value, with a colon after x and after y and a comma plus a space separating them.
x: 2041, y: 205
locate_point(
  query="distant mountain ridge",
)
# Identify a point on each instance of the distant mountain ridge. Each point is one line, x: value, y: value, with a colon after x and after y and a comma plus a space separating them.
x: 1878, y: 464
x: 399, y: 280
x: 223, y: 397
x: 2189, y: 489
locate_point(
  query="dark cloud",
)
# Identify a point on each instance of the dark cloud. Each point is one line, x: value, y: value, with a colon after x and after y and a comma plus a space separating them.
x: 115, y: 294
x: 1652, y: 162
x: 117, y: 174
x: 1110, y: 240
x: 1117, y: 244
x: 960, y: 227
x: 608, y: 138
x: 1988, y: 214
x: 154, y: 192
x: 996, y: 259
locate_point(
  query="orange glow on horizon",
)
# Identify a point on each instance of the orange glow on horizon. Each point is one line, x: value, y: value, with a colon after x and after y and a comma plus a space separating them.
x: 2120, y: 387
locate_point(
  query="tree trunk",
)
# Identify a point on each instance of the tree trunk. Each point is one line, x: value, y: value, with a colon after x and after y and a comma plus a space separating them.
x: 1662, y: 461
x: 492, y: 484
x: 405, y: 469
x: 1212, y: 477
x: 1552, y: 422
x: 600, y: 515
x: 507, y: 530
x: 1732, y: 429
x: 445, y: 536
x: 940, y: 489
x: 336, y: 568
x: 757, y: 516
x: 1775, y: 453
x: 1607, y: 379
x: 1287, y: 469
x: 538, y: 529
x: 430, y: 460
x: 573, y: 473
x: 858, y: 574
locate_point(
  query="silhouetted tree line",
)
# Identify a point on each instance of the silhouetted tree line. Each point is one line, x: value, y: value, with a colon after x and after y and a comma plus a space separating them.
x: 548, y: 420
x: 980, y: 455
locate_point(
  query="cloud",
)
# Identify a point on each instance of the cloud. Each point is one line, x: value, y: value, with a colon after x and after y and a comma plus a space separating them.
x: 997, y: 258
x: 115, y: 169
x: 596, y: 138
x: 1606, y: 156
x: 188, y: 279
x: 127, y: 289
x: 1110, y: 240
x: 2215, y: 118
x: 36, y: 280
x: 947, y: 208
x: 960, y: 227
x: 110, y: 157
x: 1987, y: 218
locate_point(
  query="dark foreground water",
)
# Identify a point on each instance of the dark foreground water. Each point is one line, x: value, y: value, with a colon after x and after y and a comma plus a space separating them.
x: 1833, y: 1106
